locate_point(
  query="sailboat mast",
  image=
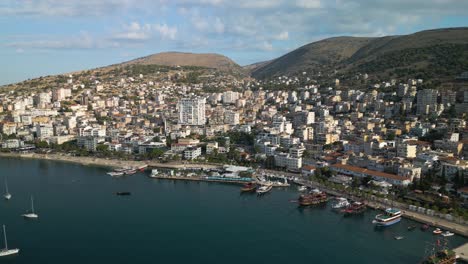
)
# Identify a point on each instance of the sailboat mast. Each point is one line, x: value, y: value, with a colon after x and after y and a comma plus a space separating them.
x: 32, y: 205
x: 6, y: 186
x: 4, y: 236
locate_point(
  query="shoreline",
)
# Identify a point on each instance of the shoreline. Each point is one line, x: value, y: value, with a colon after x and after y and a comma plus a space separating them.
x: 434, y: 221
x: 103, y: 162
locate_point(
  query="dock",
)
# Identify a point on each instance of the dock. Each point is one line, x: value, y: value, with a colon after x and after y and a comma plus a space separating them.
x: 199, y: 179
x: 462, y: 252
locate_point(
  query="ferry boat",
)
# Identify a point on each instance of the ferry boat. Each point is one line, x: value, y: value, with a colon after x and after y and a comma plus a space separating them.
x: 390, y: 217
x: 340, y: 203
x: 354, y: 208
x: 313, y: 198
x: 249, y: 187
x: 264, y: 189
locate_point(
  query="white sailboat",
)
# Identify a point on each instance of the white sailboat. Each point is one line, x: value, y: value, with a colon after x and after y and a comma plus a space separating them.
x: 31, y: 214
x: 5, y: 251
x: 7, y: 195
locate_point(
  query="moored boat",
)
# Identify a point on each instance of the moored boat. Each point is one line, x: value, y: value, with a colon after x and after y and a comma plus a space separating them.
x: 439, y: 253
x: 411, y: 228
x: 437, y: 231
x: 340, y: 203
x: 302, y: 188
x: 447, y: 234
x: 115, y: 173
x: 425, y: 227
x: 313, y: 198
x: 390, y: 217
x: 154, y: 173
x: 264, y: 189
x: 123, y: 193
x: 249, y: 187
x: 5, y: 251
x: 142, y: 168
x: 354, y: 208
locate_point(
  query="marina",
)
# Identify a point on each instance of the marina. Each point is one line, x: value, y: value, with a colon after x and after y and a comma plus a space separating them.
x: 157, y: 212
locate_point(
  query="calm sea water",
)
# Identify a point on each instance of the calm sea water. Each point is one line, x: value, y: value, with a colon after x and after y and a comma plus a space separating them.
x: 81, y: 220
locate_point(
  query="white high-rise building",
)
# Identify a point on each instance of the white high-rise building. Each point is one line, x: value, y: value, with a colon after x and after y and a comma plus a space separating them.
x: 192, y: 111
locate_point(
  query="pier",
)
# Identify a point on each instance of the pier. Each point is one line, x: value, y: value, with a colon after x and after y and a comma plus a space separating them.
x: 462, y: 252
x: 200, y: 179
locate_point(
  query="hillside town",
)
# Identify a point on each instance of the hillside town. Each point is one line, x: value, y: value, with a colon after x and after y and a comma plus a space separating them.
x: 388, y: 134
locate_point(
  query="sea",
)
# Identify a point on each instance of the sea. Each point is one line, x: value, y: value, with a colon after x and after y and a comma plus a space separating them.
x: 82, y: 220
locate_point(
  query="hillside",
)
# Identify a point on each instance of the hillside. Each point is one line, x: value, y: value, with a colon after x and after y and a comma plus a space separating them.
x: 429, y: 53
x: 207, y: 60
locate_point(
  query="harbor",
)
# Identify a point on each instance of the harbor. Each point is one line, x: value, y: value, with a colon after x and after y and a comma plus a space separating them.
x: 172, y: 215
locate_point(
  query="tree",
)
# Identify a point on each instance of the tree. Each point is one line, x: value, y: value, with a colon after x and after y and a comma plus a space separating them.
x: 42, y: 144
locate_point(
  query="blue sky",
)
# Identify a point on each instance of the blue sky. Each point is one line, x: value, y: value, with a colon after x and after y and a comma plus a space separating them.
x: 42, y: 37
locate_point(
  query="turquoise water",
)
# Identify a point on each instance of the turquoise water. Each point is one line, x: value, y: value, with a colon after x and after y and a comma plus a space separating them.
x: 82, y: 221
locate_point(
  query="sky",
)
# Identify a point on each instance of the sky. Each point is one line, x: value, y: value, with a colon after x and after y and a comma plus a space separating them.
x: 43, y: 37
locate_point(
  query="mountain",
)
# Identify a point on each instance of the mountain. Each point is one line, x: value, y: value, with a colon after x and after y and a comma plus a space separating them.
x: 208, y: 60
x: 427, y: 53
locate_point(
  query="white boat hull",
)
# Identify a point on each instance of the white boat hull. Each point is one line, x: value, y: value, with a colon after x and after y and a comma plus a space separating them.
x: 7, y: 196
x: 30, y: 216
x: 8, y: 252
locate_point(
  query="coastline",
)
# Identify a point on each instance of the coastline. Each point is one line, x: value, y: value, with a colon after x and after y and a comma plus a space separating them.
x: 102, y: 162
x: 113, y: 163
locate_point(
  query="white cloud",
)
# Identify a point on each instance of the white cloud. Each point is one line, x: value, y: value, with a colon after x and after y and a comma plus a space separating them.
x: 165, y: 31
x: 282, y: 36
x: 308, y: 3
x: 265, y: 46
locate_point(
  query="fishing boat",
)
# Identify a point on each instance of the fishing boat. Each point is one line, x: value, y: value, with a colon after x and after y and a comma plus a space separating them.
x: 340, y: 203
x: 390, y: 217
x: 5, y: 251
x: 31, y: 214
x: 7, y: 194
x: 447, y: 234
x: 437, y: 231
x: 249, y: 187
x: 354, y: 208
x: 123, y: 193
x: 425, y: 227
x: 264, y: 189
x: 302, y: 188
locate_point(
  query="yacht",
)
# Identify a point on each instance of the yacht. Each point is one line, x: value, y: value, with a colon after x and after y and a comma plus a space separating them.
x: 390, y: 217
x: 264, y: 189
x: 340, y: 203
x: 31, y: 214
x: 5, y: 251
x: 7, y: 195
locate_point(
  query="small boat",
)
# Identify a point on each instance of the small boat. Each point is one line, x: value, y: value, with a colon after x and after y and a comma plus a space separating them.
x: 31, y: 214
x: 411, y: 228
x: 399, y: 237
x: 437, y: 231
x: 302, y: 188
x: 5, y: 251
x: 390, y: 217
x: 340, y: 203
x: 425, y: 227
x: 130, y: 172
x: 354, y: 209
x: 447, y: 234
x: 142, y: 168
x: 154, y: 173
x: 7, y: 195
x: 249, y: 187
x: 115, y: 173
x: 123, y: 193
x: 264, y: 189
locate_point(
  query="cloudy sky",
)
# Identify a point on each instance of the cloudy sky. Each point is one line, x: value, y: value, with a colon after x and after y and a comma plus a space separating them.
x: 40, y: 37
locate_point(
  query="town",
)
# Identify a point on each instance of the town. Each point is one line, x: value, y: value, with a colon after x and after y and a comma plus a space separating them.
x: 403, y: 140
